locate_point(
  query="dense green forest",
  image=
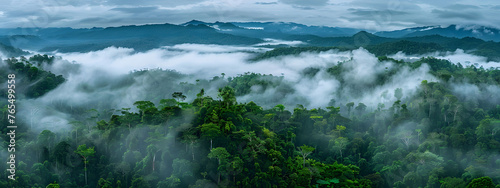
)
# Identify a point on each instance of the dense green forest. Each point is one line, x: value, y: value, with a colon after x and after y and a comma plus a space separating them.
x: 36, y: 81
x: 432, y: 139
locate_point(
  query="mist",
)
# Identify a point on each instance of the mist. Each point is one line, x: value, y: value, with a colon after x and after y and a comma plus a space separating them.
x: 100, y: 84
x: 458, y: 56
x: 102, y: 79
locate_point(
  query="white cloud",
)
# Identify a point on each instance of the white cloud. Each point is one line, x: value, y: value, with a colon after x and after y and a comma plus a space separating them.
x: 207, y: 61
x: 278, y: 42
x: 101, y: 78
x: 458, y: 56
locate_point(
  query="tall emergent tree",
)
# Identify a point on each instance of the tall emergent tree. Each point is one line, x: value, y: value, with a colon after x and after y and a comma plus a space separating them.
x: 85, y: 152
x: 221, y: 155
x: 305, y: 151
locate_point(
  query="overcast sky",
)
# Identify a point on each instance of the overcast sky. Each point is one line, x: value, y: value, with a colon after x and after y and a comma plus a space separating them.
x: 362, y: 14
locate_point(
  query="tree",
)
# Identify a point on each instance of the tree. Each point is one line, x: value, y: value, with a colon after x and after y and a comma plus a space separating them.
x: 482, y: 182
x: 406, y: 138
x: 182, y: 168
x: 236, y: 166
x: 228, y: 96
x: 53, y: 185
x: 485, y: 128
x: 398, y: 93
x: 279, y: 108
x: 339, y: 129
x: 139, y: 182
x: 167, y: 103
x: 305, y: 151
x: 143, y: 106
x: 190, y: 140
x: 452, y: 182
x: 60, y: 152
x: 46, y: 138
x: 179, y: 96
x: 102, y: 183
x: 349, y: 106
x: 201, y: 93
x: 361, y: 108
x: 211, y: 131
x: 85, y: 153
x: 92, y: 116
x: 339, y: 145
x: 170, y: 182
x: 221, y: 155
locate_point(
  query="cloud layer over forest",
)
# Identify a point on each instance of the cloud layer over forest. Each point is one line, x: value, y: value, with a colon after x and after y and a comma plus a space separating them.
x: 102, y: 79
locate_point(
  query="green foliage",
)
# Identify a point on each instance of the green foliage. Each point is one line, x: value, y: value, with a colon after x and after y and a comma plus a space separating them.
x: 53, y: 185
x: 219, y: 153
x: 452, y: 183
x: 85, y: 152
x: 102, y: 183
x: 140, y: 182
x: 37, y: 82
x: 483, y: 182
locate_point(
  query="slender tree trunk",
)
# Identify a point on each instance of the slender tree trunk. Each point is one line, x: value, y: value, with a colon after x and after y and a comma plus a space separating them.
x: 192, y: 151
x: 85, y: 162
x: 430, y: 108
x: 455, y: 114
x: 218, y: 180
x: 154, y: 157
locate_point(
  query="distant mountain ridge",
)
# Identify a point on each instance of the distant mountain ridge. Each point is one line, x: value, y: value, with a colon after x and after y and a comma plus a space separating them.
x: 457, y: 31
x: 259, y: 29
x: 478, y: 40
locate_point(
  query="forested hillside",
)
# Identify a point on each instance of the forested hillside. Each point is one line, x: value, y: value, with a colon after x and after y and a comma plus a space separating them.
x: 441, y: 136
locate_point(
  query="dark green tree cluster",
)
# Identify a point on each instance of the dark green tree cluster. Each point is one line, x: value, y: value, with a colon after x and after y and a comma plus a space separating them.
x: 31, y: 80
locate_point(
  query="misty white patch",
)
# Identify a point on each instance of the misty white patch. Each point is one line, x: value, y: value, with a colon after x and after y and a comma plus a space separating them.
x: 254, y: 28
x: 269, y: 41
x: 429, y: 28
x: 362, y: 68
x: 458, y: 56
x: 475, y: 93
x: 102, y: 80
x: 214, y: 48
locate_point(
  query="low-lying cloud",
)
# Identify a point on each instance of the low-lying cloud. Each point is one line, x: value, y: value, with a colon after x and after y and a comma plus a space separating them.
x: 108, y: 79
x: 458, y: 56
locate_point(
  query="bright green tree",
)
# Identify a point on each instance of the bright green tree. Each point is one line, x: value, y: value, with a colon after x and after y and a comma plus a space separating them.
x: 221, y: 155
x: 53, y: 185
x: 482, y: 182
x: 305, y: 151
x: 85, y: 152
